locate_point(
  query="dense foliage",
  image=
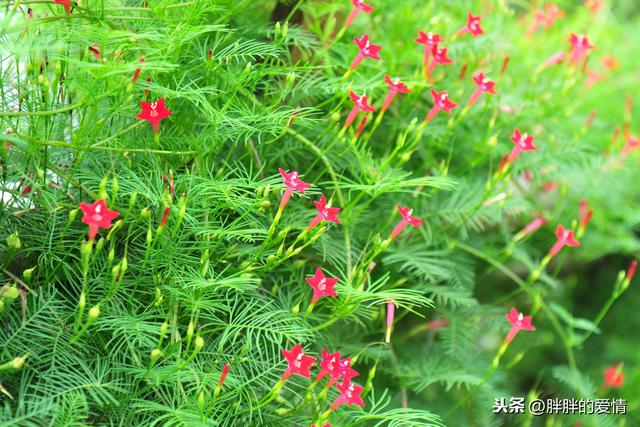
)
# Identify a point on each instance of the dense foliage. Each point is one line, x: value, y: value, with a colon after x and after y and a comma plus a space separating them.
x: 204, y: 269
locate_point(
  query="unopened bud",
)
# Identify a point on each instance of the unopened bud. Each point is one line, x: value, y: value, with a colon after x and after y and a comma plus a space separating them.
x: 72, y: 214
x: 82, y: 301
x: 199, y: 343
x: 155, y: 353
x: 11, y: 293
x: 295, y: 310
x: 94, y: 312
x: 18, y: 363
x: 132, y: 199
x: 190, y: 329
x: 28, y: 273
x: 13, y: 241
x: 164, y: 327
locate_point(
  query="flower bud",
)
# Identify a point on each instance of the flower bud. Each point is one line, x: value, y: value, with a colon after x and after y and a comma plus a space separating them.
x: 28, y: 273
x: 159, y: 297
x: 102, y: 189
x: 13, y: 241
x: 295, y: 310
x: 144, y: 213
x: 201, y: 401
x: 277, y: 31
x: 82, y: 301
x: 94, y: 312
x: 155, y: 353
x: 335, y: 117
x: 199, y: 343
x: 267, y: 190
x: 11, y: 292
x: 190, y: 329
x: 111, y: 255
x: 17, y: 363
x: 114, y: 186
x: 164, y: 327
x: 132, y: 199
x: 73, y: 214
x: 285, y: 30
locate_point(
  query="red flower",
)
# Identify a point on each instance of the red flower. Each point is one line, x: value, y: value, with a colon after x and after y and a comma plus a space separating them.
x: 580, y: 47
x: 322, y: 285
x: 484, y: 85
x: 346, y: 371
x: 65, y: 3
x: 298, y: 362
x: 358, y: 6
x: 367, y: 50
x: 613, y: 376
x: 97, y: 215
x: 329, y: 365
x: 429, y: 40
x: 395, y: 86
x: 324, y: 213
x: 293, y: 183
x: 565, y: 238
x: 518, y: 322
x: 585, y: 214
x: 407, y: 218
x: 440, y: 57
x: 154, y: 112
x: 349, y: 394
x: 472, y: 26
x: 523, y: 142
x: 633, y: 143
x: 442, y: 102
x: 361, y: 103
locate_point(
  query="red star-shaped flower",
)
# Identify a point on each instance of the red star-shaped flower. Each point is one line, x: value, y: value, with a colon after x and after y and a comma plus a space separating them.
x: 518, y: 321
x: 97, y: 215
x: 329, y: 365
x: 472, y: 26
x: 322, y: 285
x: 361, y: 103
x: 324, y: 213
x: 358, y: 6
x: 441, y: 102
x: 154, y: 112
x: 66, y: 4
x: 483, y: 85
x: 523, y: 142
x: 440, y: 57
x: 613, y: 376
x: 580, y: 47
x: 350, y: 393
x: 407, y: 218
x: 429, y: 39
x: 565, y: 238
x: 292, y: 181
x: 395, y: 86
x: 367, y: 50
x: 298, y: 362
